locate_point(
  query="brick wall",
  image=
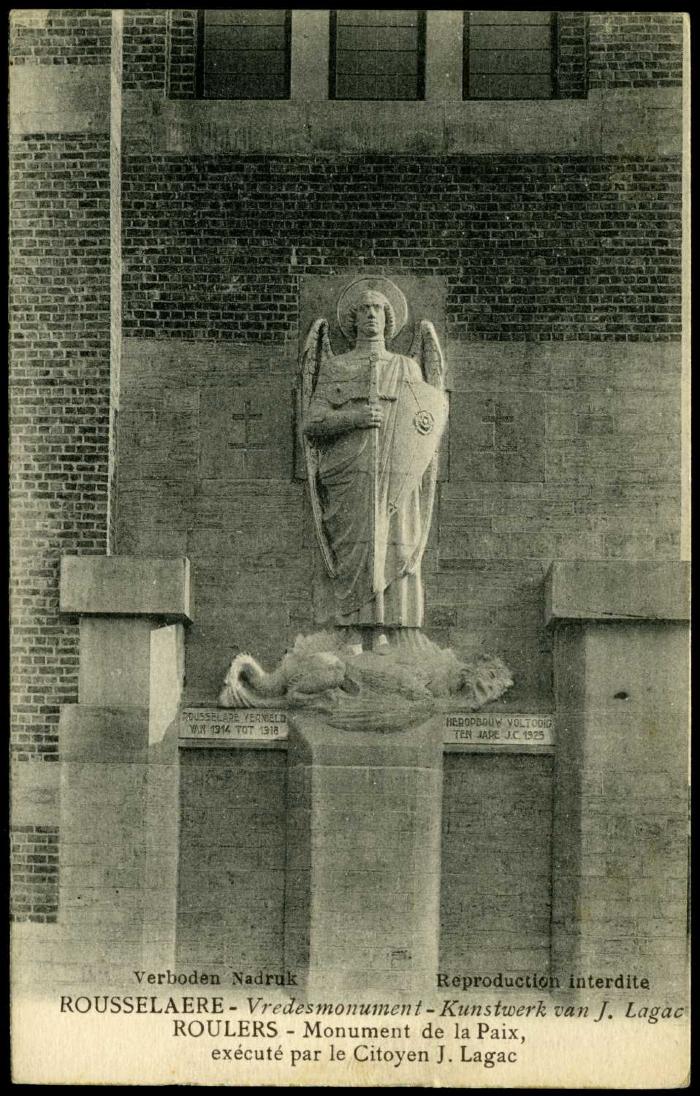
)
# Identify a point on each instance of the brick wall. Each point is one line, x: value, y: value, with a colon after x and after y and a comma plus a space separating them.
x: 572, y: 53
x: 496, y: 863
x: 183, y: 53
x: 34, y: 853
x: 145, y: 49
x: 59, y: 407
x: 61, y: 36
x: 532, y: 247
x: 636, y: 49
x: 59, y: 404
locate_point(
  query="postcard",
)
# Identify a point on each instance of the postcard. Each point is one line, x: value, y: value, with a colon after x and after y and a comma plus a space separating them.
x: 350, y: 547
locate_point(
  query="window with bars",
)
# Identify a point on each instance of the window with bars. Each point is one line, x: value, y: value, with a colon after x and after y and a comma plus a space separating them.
x: 509, y: 54
x: 244, y: 53
x: 377, y: 54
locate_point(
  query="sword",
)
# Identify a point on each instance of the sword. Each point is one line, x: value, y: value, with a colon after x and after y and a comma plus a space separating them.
x: 374, y: 481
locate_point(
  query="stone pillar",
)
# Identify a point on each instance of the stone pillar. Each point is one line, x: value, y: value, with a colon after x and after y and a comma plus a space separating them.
x: 363, y: 858
x: 118, y: 750
x: 444, y: 59
x: 310, y: 44
x: 620, y: 838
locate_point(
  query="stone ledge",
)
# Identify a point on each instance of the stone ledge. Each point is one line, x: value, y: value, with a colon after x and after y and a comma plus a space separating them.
x: 126, y: 586
x: 636, y: 121
x: 617, y: 590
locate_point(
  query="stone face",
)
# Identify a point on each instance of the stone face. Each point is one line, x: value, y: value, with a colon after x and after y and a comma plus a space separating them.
x: 120, y: 586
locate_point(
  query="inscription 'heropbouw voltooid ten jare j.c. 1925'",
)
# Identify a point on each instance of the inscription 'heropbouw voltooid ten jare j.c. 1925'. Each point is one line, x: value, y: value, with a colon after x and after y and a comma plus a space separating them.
x: 372, y: 423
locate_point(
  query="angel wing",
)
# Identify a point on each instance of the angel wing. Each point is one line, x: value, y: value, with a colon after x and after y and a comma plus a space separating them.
x: 427, y: 351
x: 316, y: 352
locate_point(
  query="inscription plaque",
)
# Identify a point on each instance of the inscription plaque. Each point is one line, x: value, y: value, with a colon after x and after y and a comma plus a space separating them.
x: 233, y: 724
x: 459, y: 728
x: 498, y: 729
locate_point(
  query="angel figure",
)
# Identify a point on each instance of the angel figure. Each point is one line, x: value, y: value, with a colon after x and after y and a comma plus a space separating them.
x: 372, y: 421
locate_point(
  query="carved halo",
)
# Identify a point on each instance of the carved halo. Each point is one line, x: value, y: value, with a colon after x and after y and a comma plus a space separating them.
x: 380, y: 285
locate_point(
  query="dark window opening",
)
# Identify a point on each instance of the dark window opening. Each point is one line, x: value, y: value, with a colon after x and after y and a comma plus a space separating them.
x: 377, y: 54
x: 244, y: 53
x: 509, y: 54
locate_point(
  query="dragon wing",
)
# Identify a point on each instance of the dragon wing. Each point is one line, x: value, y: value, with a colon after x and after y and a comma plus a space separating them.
x: 316, y: 352
x: 427, y: 351
x: 236, y: 692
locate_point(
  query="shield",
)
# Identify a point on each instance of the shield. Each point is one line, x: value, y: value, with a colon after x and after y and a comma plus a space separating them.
x: 421, y: 414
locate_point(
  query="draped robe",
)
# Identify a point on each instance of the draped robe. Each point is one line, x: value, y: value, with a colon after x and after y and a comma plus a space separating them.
x: 345, y: 470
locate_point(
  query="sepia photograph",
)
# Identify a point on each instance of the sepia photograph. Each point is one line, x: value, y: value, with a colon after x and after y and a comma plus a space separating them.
x: 350, y: 537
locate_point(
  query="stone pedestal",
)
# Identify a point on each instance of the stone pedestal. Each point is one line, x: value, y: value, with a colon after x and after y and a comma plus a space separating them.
x: 363, y: 858
x: 119, y: 778
x: 620, y: 852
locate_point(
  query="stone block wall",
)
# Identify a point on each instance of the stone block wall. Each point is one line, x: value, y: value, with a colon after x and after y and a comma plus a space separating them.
x: 496, y: 863
x: 620, y: 846
x: 564, y: 369
x: 496, y: 817
x: 233, y: 812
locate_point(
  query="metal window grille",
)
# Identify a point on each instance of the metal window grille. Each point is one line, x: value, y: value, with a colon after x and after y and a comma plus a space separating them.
x: 377, y: 54
x: 509, y: 54
x: 244, y: 53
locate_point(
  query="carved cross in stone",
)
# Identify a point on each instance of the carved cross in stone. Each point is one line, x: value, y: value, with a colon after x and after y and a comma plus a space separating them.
x: 246, y: 418
x: 497, y: 414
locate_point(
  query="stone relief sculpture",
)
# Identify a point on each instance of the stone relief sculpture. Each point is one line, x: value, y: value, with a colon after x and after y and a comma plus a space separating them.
x: 372, y: 422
